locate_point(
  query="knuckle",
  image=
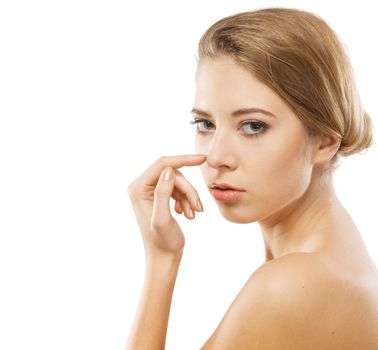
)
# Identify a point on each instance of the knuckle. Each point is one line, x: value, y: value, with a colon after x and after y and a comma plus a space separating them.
x: 160, y: 223
x: 161, y: 159
x: 132, y: 189
x: 130, y: 192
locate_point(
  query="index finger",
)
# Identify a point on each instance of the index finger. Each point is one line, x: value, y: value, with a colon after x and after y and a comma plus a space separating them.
x: 151, y: 175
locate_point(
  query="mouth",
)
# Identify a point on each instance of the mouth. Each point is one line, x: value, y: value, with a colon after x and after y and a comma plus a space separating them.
x: 225, y: 187
x: 227, y: 193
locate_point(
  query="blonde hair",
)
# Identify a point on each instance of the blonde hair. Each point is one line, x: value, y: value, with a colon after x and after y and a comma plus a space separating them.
x: 299, y: 56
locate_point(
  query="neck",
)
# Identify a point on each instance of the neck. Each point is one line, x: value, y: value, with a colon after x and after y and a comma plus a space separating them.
x: 302, y: 224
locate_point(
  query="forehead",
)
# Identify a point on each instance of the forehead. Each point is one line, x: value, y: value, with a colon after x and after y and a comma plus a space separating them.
x: 222, y: 83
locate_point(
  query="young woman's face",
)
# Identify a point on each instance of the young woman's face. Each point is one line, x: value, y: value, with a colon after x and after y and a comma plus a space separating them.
x: 267, y: 156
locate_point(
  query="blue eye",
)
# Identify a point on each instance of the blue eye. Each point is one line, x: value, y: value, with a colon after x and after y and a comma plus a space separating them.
x: 255, y: 129
x: 199, y: 123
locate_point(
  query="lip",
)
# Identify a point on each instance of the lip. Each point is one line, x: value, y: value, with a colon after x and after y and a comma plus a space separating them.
x: 224, y: 186
x: 227, y: 195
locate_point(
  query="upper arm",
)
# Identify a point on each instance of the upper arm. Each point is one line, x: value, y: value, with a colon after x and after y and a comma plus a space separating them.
x: 277, y: 309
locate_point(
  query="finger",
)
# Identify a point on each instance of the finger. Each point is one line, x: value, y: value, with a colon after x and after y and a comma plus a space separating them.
x: 161, y: 214
x: 151, y: 175
x: 181, y: 207
x: 178, y: 207
x: 187, y: 189
x: 189, y: 213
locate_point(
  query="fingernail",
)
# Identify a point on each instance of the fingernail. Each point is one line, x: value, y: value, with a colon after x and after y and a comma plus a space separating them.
x: 191, y: 214
x: 167, y: 174
x: 199, y: 205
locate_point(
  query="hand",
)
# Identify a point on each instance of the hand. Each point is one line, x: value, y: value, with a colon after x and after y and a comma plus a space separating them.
x: 150, y: 195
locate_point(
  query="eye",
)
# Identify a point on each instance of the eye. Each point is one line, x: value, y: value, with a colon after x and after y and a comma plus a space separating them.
x: 252, y: 129
x: 201, y: 122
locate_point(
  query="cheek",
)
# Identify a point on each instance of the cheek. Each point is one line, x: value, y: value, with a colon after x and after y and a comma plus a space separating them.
x: 284, y: 171
x: 199, y: 148
x: 200, y: 144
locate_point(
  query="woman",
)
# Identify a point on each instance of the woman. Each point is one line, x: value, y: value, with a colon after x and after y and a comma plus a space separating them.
x: 275, y: 106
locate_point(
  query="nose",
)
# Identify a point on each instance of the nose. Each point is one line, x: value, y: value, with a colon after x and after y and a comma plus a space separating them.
x: 220, y: 150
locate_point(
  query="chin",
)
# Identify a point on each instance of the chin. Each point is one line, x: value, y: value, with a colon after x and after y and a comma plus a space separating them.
x: 238, y: 216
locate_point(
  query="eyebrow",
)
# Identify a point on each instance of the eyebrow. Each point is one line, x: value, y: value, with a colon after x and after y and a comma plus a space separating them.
x: 238, y: 112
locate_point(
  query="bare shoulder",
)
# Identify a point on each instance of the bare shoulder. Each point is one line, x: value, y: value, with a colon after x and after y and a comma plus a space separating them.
x: 294, y: 302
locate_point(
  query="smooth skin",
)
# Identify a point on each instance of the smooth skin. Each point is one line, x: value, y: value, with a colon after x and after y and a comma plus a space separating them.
x: 163, y: 242
x: 318, y: 288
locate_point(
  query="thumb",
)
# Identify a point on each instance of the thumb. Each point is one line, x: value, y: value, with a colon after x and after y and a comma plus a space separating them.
x: 161, y: 214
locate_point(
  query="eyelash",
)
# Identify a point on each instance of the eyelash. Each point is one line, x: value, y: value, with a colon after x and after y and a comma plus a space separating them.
x: 262, y: 129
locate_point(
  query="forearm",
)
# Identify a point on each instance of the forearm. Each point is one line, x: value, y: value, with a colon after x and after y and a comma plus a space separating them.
x: 150, y: 324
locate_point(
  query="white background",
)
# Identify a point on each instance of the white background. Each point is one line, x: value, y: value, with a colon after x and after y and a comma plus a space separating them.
x: 91, y: 93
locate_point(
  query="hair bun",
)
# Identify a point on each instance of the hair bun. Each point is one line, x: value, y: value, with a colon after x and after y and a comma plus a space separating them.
x: 357, y: 140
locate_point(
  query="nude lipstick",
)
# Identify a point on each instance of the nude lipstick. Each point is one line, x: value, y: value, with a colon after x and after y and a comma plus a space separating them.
x: 226, y: 193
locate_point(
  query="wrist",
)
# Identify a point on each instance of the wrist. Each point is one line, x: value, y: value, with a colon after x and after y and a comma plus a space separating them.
x: 163, y: 264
